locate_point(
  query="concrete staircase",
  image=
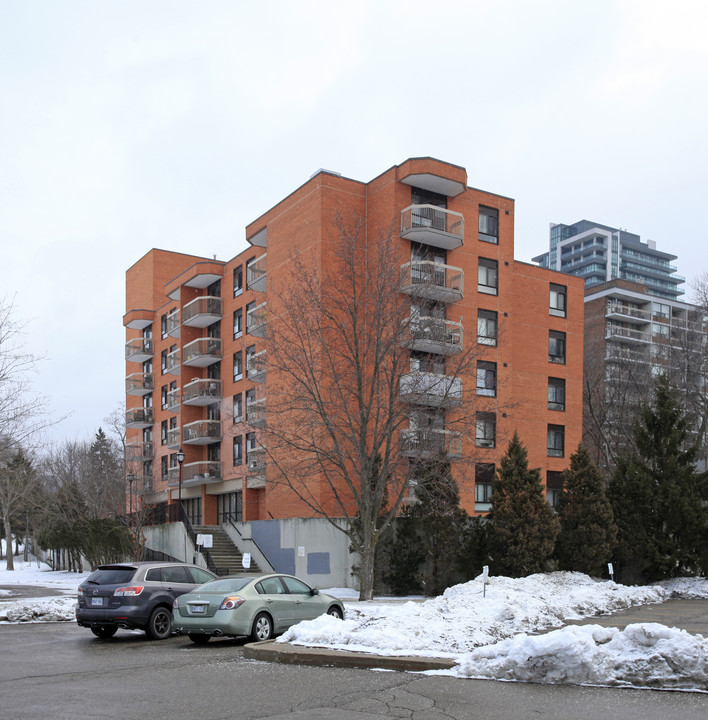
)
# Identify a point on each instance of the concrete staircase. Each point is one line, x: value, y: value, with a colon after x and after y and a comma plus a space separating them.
x: 226, y: 556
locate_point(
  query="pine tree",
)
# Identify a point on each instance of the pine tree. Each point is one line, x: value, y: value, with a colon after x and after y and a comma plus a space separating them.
x: 524, y: 525
x: 588, y: 531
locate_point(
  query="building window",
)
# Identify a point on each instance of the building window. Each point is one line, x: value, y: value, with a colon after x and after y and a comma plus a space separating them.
x: 163, y: 326
x: 238, y: 408
x: 557, y: 301
x: 556, y: 347
x: 163, y: 397
x: 483, y: 483
x: 554, y: 487
x: 163, y: 432
x: 486, y: 378
x: 163, y: 467
x: 238, y: 366
x: 659, y: 330
x: 238, y: 280
x: 556, y: 441
x: 163, y: 362
x: 488, y: 224
x: 556, y: 393
x: 238, y: 450
x: 487, y: 279
x: 661, y: 310
x: 486, y: 327
x: 486, y: 430
x: 238, y: 323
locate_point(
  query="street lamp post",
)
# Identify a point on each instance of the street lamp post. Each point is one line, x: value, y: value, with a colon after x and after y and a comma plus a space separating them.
x: 180, y: 460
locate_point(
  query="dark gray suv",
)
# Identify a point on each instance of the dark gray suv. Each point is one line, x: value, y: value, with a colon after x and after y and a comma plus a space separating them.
x: 135, y: 595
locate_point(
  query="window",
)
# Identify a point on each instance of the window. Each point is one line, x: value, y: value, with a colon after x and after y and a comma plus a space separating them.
x: 238, y: 280
x: 163, y: 362
x: 557, y: 303
x: 554, y: 487
x: 486, y: 430
x: 163, y: 397
x: 488, y: 224
x: 556, y: 393
x: 556, y: 441
x: 238, y: 450
x: 486, y: 378
x: 238, y: 323
x: 487, y: 281
x: 163, y: 432
x: 163, y: 467
x: 238, y: 408
x: 483, y: 483
x: 556, y: 347
x: 163, y: 326
x: 486, y: 327
x: 661, y: 310
x: 249, y: 316
x: 238, y: 366
x: 659, y: 330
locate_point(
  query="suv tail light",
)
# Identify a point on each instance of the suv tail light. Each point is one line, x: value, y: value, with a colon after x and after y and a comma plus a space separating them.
x: 128, y: 590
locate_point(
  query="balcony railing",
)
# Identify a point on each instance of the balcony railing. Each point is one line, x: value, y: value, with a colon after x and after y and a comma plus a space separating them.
x: 139, y: 451
x: 256, y: 462
x: 199, y: 473
x: 256, y: 367
x: 139, y: 417
x: 434, y: 335
x: 202, y: 432
x: 174, y: 398
x: 424, y: 388
x: 256, y: 274
x: 172, y: 363
x: 432, y: 281
x: 619, y: 308
x: 202, y: 311
x: 256, y: 413
x: 613, y: 331
x: 425, y: 443
x: 139, y: 349
x: 139, y: 384
x: 202, y: 392
x: 173, y: 324
x: 256, y: 321
x: 202, y: 352
x: 174, y: 437
x: 433, y: 225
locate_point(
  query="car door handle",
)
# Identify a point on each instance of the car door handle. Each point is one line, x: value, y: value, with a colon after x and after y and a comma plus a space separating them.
x: 269, y: 601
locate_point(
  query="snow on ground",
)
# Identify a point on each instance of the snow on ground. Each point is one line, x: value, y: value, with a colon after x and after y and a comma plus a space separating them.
x: 506, y: 633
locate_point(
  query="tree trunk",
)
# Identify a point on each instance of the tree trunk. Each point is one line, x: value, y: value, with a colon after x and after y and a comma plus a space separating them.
x: 8, y: 543
x: 366, y: 572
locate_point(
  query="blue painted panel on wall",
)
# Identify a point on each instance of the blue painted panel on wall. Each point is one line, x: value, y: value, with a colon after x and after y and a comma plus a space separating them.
x: 318, y: 563
x: 266, y: 533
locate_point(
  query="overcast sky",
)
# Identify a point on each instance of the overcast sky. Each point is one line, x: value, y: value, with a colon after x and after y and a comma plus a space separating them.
x: 132, y: 124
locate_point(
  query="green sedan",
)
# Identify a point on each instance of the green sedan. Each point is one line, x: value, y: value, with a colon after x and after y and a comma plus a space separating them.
x: 244, y: 605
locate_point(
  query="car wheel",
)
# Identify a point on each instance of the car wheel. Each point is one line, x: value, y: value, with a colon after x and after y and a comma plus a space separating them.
x: 336, y: 611
x: 160, y: 624
x: 199, y: 638
x: 104, y: 631
x: 262, y: 628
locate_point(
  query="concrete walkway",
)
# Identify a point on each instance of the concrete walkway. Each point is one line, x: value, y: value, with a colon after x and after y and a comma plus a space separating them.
x: 689, y: 615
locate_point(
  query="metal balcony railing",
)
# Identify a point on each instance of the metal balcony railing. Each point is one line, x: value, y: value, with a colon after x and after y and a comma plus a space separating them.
x: 435, y: 335
x: 139, y: 417
x: 139, y: 384
x: 202, y: 311
x: 202, y: 432
x: 431, y: 389
x: 427, y: 442
x: 202, y: 352
x: 256, y: 274
x: 139, y: 349
x: 256, y: 321
x: 433, y: 225
x: 202, y: 392
x: 432, y: 281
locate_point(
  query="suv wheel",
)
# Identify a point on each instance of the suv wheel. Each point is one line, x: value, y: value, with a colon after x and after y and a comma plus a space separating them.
x: 160, y: 624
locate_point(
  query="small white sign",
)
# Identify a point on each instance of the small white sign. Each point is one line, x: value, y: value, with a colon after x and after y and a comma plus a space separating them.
x: 610, y: 569
x: 485, y: 572
x: 301, y: 551
x: 246, y: 560
x: 206, y: 541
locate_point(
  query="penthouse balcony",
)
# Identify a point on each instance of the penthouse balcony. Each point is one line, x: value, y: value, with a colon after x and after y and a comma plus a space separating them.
x: 256, y: 274
x: 256, y: 321
x: 202, y: 392
x: 139, y: 451
x: 202, y: 352
x: 627, y: 313
x: 139, y: 417
x: 433, y: 225
x: 431, y: 389
x: 202, y: 311
x: 256, y: 413
x: 174, y: 437
x: 172, y: 362
x: 139, y: 384
x: 174, y: 399
x: 173, y: 323
x: 432, y: 281
x: 256, y: 367
x: 434, y: 335
x: 202, y: 432
x: 426, y: 443
x: 139, y: 349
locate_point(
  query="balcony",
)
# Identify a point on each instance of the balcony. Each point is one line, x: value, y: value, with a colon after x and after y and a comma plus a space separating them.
x: 174, y: 438
x: 256, y: 367
x: 622, y: 311
x: 173, y: 324
x: 139, y: 417
x: 429, y: 442
x: 256, y: 413
x: 431, y: 389
x: 622, y: 333
x: 139, y: 451
x: 174, y: 398
x: 202, y: 432
x: 433, y: 225
x: 256, y: 460
x: 256, y: 274
x: 200, y: 473
x: 202, y: 392
x: 139, y: 384
x: 202, y: 311
x: 432, y: 281
x: 172, y: 363
x: 202, y: 352
x: 256, y: 321
x: 139, y: 350
x: 434, y: 335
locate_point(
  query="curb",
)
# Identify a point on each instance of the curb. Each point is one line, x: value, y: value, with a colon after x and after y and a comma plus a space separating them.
x: 270, y: 651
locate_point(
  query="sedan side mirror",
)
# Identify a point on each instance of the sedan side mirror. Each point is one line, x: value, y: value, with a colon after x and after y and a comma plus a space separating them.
x: 315, y: 591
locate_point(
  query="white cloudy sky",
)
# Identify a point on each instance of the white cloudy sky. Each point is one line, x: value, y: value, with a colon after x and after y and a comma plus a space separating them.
x: 132, y: 124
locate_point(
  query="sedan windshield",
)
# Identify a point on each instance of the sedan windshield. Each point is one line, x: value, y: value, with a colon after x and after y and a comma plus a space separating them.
x: 225, y: 585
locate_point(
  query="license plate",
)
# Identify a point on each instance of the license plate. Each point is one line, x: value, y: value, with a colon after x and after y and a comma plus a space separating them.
x: 198, y: 609
x: 97, y: 601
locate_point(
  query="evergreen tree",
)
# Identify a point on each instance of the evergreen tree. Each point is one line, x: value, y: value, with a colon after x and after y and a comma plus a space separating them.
x: 405, y: 555
x: 659, y: 498
x: 588, y: 531
x: 524, y: 525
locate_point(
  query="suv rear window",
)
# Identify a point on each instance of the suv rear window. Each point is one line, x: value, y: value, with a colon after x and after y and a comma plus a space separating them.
x: 111, y: 576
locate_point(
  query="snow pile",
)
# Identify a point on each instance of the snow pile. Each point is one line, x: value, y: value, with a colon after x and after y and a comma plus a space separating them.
x: 38, y: 610
x: 462, y: 619
x: 642, y: 655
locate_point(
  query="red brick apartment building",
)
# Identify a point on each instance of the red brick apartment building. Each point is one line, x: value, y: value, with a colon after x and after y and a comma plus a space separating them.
x: 196, y: 375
